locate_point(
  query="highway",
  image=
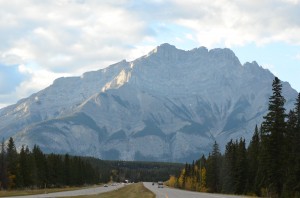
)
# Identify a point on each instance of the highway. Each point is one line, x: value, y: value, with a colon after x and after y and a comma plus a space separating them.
x: 176, y: 193
x: 87, y: 191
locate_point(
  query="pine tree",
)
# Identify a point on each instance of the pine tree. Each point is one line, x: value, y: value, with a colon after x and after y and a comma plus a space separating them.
x: 292, y: 151
x: 290, y: 161
x: 263, y: 159
x: 297, y: 111
x: 67, y: 170
x: 273, y: 139
x: 241, y: 168
x: 3, y: 167
x: 228, y: 168
x: 12, y: 164
x: 25, y: 167
x: 296, y: 146
x: 214, y: 164
x: 55, y: 170
x: 253, y: 162
x: 41, y: 167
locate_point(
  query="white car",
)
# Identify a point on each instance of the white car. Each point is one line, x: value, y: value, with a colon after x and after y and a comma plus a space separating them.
x: 160, y: 184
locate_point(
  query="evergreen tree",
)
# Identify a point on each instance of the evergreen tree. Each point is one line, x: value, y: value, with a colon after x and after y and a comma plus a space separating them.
x: 55, y: 170
x: 296, y: 147
x: 67, y: 169
x: 253, y: 162
x: 290, y: 161
x: 234, y: 170
x: 297, y: 111
x: 269, y: 167
x: 3, y: 167
x: 12, y: 163
x: 201, y: 162
x: 241, y: 168
x: 273, y: 139
x: 25, y: 168
x: 41, y: 167
x: 213, y: 169
x: 229, y: 168
x: 261, y: 176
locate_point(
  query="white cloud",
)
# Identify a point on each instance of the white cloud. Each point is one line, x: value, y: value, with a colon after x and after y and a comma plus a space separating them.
x: 10, y: 59
x: 240, y: 22
x: 50, y: 39
x: 79, y: 31
x: 68, y: 37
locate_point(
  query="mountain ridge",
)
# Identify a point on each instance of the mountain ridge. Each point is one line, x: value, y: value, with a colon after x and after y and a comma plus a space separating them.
x: 168, y: 105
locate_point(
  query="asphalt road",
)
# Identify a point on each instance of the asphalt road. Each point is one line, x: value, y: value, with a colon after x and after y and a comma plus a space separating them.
x: 176, y: 193
x: 87, y: 191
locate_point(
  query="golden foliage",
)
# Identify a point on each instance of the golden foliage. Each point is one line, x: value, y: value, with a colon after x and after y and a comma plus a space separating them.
x: 172, y: 181
x: 203, y: 180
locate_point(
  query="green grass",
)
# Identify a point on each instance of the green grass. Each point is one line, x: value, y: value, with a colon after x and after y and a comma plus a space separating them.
x: 131, y: 191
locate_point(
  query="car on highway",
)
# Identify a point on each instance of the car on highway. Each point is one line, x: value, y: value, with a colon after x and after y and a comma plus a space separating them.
x: 160, y: 184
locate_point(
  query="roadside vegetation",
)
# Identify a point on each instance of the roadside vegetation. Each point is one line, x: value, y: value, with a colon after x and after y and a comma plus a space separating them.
x: 136, y: 190
x: 33, y: 169
x: 268, y: 167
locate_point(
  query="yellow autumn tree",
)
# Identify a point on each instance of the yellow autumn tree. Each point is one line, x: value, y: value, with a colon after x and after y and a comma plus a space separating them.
x: 189, y: 183
x: 181, y: 179
x: 195, y: 178
x: 172, y: 181
x: 203, y: 179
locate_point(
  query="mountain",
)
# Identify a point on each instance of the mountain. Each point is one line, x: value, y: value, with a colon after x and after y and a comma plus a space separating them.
x: 169, y: 105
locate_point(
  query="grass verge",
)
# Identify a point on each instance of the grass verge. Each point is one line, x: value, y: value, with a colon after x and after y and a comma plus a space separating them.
x: 10, y: 193
x: 137, y: 190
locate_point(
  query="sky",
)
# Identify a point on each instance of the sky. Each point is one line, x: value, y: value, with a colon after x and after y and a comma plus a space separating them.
x: 44, y: 40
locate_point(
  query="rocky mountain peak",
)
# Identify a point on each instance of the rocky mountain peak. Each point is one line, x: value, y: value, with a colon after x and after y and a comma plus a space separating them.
x: 169, y: 105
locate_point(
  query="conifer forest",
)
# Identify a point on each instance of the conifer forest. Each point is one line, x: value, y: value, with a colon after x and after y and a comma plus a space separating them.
x: 32, y: 169
x: 268, y: 167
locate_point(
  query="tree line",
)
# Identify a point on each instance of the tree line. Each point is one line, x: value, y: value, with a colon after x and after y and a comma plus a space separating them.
x: 136, y: 171
x: 269, y: 166
x: 34, y: 169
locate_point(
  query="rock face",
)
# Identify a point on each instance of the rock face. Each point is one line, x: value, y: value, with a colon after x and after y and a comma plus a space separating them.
x: 169, y: 105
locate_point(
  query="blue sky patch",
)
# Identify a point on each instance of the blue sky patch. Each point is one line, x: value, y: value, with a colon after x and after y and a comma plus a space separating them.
x: 10, y: 78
